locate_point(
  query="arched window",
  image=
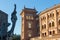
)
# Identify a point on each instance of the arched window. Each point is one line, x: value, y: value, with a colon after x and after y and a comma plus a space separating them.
x: 52, y: 15
x: 53, y: 32
x: 50, y: 33
x: 45, y: 33
x: 57, y: 13
x: 29, y: 33
x: 29, y: 24
x: 49, y: 24
x: 52, y: 23
x: 48, y: 16
x: 44, y: 25
x: 59, y: 22
x: 44, y: 17
x: 41, y: 19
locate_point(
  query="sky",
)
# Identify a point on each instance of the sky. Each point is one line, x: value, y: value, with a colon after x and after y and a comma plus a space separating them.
x: 8, y: 6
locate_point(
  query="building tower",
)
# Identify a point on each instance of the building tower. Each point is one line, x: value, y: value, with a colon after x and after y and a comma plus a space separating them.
x: 29, y: 26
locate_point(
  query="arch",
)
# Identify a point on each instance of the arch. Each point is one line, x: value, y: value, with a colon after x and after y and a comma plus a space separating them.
x: 29, y: 33
x: 29, y: 24
x: 52, y: 23
x: 50, y: 33
x: 53, y: 32
x: 45, y: 33
x: 49, y: 24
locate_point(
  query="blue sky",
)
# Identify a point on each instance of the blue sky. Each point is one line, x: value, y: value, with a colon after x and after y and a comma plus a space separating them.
x: 8, y: 7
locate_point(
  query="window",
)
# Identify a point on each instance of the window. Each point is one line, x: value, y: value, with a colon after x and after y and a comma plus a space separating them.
x: 41, y: 19
x: 44, y: 34
x: 52, y: 15
x: 53, y: 32
x: 29, y: 24
x: 59, y: 22
x: 44, y: 25
x: 27, y: 17
x: 57, y: 13
x: 50, y: 33
x: 49, y: 24
x: 48, y: 16
x: 44, y: 17
x: 52, y: 23
x: 29, y: 33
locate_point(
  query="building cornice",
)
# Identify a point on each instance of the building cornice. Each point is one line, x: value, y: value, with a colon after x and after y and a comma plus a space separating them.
x: 28, y: 9
x: 54, y: 7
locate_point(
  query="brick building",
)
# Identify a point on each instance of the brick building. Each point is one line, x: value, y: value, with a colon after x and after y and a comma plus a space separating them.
x: 29, y: 24
x: 47, y: 21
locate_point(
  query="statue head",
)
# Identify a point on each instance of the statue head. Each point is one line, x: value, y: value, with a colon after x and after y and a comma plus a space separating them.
x: 15, y: 6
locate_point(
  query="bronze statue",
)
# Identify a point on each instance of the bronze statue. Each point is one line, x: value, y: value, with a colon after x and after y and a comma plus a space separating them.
x: 13, y: 19
x: 9, y: 33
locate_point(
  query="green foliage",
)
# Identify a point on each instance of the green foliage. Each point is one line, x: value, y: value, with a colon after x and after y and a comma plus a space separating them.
x: 16, y: 37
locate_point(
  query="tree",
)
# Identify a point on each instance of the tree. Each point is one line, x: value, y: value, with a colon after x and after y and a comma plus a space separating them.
x: 16, y: 37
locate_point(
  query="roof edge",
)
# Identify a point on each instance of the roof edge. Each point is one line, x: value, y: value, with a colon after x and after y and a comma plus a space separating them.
x: 55, y: 6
